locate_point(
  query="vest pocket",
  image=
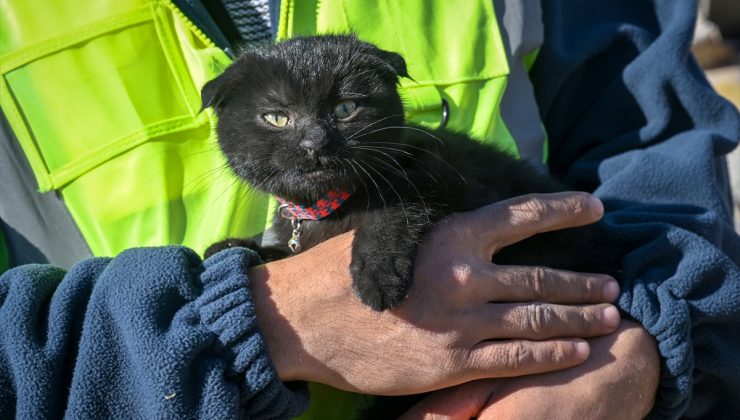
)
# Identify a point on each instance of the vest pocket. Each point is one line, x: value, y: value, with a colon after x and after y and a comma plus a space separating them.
x: 105, y: 104
x: 92, y: 92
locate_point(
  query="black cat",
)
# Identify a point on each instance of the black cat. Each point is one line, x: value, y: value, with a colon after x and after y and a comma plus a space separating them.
x: 318, y: 122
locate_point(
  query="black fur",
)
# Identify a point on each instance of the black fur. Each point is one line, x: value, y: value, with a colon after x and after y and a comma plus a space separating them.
x: 403, y: 178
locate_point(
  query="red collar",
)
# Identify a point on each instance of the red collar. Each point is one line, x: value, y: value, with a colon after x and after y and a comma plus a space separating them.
x: 319, y: 210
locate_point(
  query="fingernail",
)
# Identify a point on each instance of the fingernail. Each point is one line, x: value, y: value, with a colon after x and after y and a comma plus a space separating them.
x: 597, y: 207
x: 610, y: 315
x: 582, y: 350
x: 611, y: 290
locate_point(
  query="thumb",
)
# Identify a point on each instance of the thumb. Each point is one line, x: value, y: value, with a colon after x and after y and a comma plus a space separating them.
x: 459, y: 402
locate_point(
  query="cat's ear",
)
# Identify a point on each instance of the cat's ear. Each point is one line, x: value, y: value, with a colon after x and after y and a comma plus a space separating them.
x: 394, y: 61
x: 210, y: 95
x: 214, y: 91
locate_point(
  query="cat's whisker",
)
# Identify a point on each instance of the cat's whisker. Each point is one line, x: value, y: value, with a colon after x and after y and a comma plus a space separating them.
x: 364, y: 185
x: 267, y: 180
x: 196, y: 182
x: 228, y: 188
x: 351, y: 136
x: 408, y: 156
x: 425, y: 151
x: 405, y: 177
x: 343, y: 172
x: 422, y: 165
x: 439, y: 140
x: 404, y: 127
x: 380, y: 192
x: 210, y: 148
x: 373, y: 149
x: 400, y: 199
x: 262, y: 166
x: 377, y: 130
x: 413, y: 147
x: 364, y: 145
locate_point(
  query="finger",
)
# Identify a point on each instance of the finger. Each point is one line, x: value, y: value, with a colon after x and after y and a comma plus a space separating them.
x: 491, y: 283
x: 540, y: 321
x: 516, y: 219
x: 460, y: 402
x: 499, y: 359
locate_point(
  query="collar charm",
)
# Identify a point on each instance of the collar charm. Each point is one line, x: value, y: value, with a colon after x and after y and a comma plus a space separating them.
x: 318, y: 211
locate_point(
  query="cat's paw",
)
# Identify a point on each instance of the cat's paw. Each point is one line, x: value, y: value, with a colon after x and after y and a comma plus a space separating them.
x: 381, y: 281
x: 230, y: 243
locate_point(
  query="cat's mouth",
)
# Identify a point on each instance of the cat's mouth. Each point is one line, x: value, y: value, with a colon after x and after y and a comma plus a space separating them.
x: 317, y: 167
x: 314, y: 173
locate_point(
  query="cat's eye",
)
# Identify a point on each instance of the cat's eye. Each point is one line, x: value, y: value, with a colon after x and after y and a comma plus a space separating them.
x: 345, y: 109
x: 276, y: 119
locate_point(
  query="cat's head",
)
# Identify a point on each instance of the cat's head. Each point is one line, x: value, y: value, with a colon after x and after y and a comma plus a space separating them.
x: 295, y: 119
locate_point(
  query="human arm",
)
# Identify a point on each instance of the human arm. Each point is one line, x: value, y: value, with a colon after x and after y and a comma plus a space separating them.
x: 630, y: 115
x: 162, y: 333
x: 154, y: 332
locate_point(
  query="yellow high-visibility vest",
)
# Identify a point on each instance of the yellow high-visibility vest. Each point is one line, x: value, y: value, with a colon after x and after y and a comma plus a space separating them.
x: 104, y: 99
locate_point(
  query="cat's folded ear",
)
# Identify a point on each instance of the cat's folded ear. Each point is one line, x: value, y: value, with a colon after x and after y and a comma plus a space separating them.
x: 394, y: 61
x: 213, y: 92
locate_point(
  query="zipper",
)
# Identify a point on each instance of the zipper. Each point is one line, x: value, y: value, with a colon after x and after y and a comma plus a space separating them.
x: 197, y: 17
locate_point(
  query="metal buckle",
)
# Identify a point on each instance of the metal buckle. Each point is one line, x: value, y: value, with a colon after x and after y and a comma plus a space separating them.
x: 295, y: 239
x: 445, y: 114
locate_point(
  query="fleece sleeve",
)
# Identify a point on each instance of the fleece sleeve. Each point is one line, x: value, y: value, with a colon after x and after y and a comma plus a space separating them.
x: 152, y: 333
x: 630, y: 115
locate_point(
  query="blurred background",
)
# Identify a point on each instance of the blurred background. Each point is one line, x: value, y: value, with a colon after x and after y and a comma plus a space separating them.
x: 717, y: 48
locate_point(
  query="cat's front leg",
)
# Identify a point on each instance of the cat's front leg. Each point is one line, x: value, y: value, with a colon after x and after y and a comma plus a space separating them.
x: 383, y: 254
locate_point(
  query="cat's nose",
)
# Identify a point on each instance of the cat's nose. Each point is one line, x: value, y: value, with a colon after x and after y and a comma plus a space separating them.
x: 313, y: 144
x: 314, y: 140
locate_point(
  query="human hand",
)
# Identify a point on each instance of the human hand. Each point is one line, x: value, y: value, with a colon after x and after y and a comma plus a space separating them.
x: 618, y: 381
x: 447, y: 331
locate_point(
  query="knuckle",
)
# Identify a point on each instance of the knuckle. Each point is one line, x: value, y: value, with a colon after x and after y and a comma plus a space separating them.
x: 540, y: 317
x: 578, y: 203
x: 518, y: 356
x: 559, y: 354
x: 528, y: 210
x: 590, y: 292
x: 539, y: 283
x: 588, y: 318
x: 463, y: 273
x: 536, y: 209
x: 456, y: 362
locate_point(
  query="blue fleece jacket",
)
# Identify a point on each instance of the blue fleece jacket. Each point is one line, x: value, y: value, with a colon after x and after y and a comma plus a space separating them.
x: 155, y: 333
x: 152, y: 333
x: 630, y: 115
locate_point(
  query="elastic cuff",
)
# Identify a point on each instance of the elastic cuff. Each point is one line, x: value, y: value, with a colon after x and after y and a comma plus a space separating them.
x: 226, y: 308
x: 671, y: 327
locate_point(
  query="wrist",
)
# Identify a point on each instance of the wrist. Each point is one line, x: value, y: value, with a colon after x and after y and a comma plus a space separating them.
x: 283, y: 345
x: 306, y: 310
x: 641, y: 349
